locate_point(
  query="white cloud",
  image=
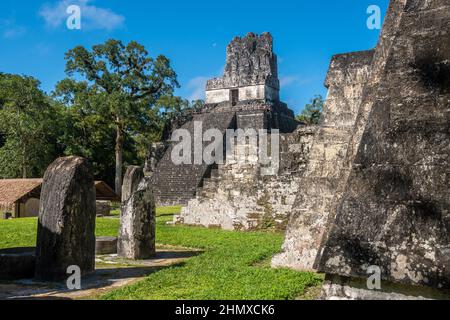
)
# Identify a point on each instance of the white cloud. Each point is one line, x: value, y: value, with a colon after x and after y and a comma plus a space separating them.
x: 11, y: 30
x: 197, y: 87
x: 286, y: 81
x: 92, y: 17
x: 43, y: 49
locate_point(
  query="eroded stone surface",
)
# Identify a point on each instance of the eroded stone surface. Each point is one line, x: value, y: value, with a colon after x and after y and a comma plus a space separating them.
x: 238, y: 197
x: 66, y: 220
x: 319, y: 186
x: 246, y: 97
x: 342, y: 288
x: 138, y: 216
x: 395, y: 208
x: 105, y: 245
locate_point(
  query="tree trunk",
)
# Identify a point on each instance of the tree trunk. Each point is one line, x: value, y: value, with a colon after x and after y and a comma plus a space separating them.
x: 24, y: 162
x: 119, y: 160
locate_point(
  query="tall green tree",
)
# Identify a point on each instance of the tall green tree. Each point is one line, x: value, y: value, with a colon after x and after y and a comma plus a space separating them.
x: 28, y: 127
x: 120, y: 83
x: 85, y: 132
x: 313, y: 111
x: 175, y: 111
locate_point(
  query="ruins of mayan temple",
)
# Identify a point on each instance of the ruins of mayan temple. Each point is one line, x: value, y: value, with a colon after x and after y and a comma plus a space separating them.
x: 246, y: 97
x: 366, y: 190
x: 243, y: 193
x: 240, y: 197
x: 319, y: 186
x: 385, y: 204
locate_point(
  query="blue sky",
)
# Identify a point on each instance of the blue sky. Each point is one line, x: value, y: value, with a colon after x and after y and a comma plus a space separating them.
x: 193, y: 34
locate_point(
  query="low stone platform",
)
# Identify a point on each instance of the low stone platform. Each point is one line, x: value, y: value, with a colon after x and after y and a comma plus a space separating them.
x: 345, y: 288
x: 111, y: 273
x: 17, y: 263
x: 105, y: 245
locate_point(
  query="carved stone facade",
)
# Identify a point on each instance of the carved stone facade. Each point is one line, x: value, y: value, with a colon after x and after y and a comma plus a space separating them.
x: 385, y: 201
x: 319, y: 189
x: 239, y: 197
x: 251, y: 64
x: 395, y: 209
x: 251, y: 72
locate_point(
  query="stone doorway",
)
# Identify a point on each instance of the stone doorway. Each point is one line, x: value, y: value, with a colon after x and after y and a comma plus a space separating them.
x: 234, y: 96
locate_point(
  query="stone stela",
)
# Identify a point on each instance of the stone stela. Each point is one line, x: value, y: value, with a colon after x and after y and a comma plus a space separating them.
x: 138, y: 217
x: 66, y: 229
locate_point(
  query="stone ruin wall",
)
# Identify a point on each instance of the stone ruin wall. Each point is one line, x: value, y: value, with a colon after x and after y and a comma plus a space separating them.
x: 251, y: 63
x: 251, y: 68
x: 395, y: 209
x: 238, y: 197
x: 346, y: 78
x: 374, y: 186
x: 390, y: 206
x: 305, y: 232
x: 177, y: 184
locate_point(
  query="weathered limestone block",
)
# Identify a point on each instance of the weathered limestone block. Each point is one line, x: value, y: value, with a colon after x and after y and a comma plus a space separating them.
x: 66, y: 220
x: 138, y: 217
x: 103, y: 208
x: 155, y: 154
x: 240, y: 198
x: 105, y: 245
x: 395, y: 209
x: 250, y: 61
x: 344, y: 288
x: 319, y: 190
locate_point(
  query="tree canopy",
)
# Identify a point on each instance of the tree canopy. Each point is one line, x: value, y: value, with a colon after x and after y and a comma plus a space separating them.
x: 114, y: 103
x: 313, y: 111
x: 119, y: 90
x: 28, y: 127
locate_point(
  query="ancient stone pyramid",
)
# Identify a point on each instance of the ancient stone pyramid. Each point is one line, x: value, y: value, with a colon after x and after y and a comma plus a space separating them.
x: 246, y: 96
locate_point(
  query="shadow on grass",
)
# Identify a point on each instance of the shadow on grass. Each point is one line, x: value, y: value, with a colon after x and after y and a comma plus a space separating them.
x: 104, y: 279
x: 162, y: 215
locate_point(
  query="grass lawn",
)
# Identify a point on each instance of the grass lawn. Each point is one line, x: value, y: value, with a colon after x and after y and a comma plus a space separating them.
x: 235, y: 265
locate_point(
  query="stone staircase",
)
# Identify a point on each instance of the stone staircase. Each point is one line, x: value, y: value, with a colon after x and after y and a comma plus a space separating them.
x: 237, y: 196
x: 209, y: 184
x: 177, y: 184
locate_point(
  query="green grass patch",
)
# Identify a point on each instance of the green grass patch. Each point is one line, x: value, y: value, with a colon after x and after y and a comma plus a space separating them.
x: 234, y: 265
x: 23, y: 232
x: 161, y: 211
